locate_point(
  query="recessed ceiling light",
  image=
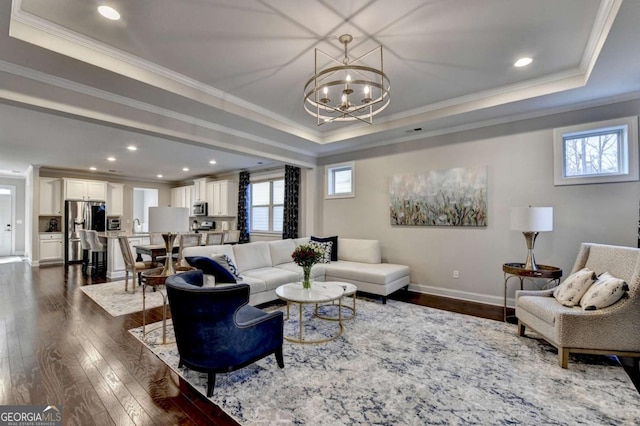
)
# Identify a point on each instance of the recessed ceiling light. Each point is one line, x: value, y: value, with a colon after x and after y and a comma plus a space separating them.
x: 132, y: 148
x: 185, y: 169
x: 212, y: 162
x: 523, y: 62
x: 93, y: 169
x: 109, y: 12
x: 111, y: 159
x: 160, y: 176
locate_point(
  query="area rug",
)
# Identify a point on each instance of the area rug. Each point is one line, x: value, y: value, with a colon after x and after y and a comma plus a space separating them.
x: 402, y: 364
x: 112, y: 298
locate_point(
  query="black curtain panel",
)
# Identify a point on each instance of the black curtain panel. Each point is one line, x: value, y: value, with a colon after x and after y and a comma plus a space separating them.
x: 243, y: 207
x: 291, y: 201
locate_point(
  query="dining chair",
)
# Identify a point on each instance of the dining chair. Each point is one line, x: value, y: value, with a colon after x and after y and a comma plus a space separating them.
x: 130, y: 264
x: 98, y: 252
x: 187, y: 240
x: 231, y: 237
x: 213, y: 238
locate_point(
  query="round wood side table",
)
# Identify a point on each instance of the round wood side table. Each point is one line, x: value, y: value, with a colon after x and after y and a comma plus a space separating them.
x: 551, y: 274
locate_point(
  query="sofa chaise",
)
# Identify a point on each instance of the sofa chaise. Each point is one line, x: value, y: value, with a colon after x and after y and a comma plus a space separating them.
x: 266, y: 265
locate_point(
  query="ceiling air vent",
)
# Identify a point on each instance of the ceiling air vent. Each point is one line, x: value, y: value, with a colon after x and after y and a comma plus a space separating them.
x: 417, y: 129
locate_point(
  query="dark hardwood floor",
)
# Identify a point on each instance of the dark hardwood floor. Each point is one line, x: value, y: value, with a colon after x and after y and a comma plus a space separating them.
x: 57, y: 347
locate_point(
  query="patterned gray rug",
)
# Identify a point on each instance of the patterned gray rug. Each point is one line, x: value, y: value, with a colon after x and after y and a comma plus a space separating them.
x: 112, y: 298
x: 402, y: 364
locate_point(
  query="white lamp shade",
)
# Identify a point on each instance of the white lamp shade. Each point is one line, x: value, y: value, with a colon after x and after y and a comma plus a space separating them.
x: 532, y: 219
x: 168, y: 219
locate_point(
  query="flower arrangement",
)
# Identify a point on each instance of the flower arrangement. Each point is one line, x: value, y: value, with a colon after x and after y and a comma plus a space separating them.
x: 306, y: 255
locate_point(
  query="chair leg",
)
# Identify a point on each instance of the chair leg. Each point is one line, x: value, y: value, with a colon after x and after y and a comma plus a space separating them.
x: 563, y: 357
x: 520, y: 329
x: 384, y: 300
x: 279, y: 357
x: 126, y: 281
x: 211, y: 382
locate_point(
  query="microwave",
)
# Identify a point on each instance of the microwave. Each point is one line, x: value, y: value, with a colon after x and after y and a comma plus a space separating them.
x: 200, y: 208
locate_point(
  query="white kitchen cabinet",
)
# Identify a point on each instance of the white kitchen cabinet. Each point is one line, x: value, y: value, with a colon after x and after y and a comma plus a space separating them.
x: 199, y: 190
x: 88, y: 190
x: 223, y: 198
x: 51, y: 247
x: 50, y: 197
x: 182, y: 196
x: 115, y: 199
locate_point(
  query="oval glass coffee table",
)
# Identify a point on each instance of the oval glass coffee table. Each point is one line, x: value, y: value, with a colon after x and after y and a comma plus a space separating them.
x: 320, y: 292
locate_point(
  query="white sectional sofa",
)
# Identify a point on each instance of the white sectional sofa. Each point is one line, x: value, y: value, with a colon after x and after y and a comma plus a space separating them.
x: 267, y: 265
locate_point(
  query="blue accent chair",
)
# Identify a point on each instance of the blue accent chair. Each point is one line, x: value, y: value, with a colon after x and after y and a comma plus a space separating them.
x: 216, y: 330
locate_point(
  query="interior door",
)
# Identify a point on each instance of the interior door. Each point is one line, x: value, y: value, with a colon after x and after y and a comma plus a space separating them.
x: 5, y: 225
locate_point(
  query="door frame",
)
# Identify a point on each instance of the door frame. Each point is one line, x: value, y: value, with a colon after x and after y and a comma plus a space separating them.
x: 12, y: 194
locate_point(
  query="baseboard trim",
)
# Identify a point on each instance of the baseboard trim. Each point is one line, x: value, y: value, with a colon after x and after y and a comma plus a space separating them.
x: 457, y: 294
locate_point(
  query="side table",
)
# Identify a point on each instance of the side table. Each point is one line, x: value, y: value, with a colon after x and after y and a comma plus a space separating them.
x: 153, y: 278
x: 551, y: 274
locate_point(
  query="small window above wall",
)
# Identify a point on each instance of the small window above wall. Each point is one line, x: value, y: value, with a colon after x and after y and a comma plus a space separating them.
x: 340, y: 180
x: 602, y: 152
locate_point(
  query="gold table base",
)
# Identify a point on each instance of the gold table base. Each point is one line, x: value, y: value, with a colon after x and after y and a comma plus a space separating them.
x: 301, y: 339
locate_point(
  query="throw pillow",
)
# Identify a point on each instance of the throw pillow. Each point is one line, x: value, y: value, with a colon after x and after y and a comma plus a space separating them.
x: 227, y: 263
x: 604, y: 292
x: 334, y: 246
x: 574, y: 287
x: 326, y: 250
x: 211, y: 267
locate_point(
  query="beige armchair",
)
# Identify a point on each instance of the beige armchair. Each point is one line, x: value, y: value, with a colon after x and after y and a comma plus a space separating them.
x: 614, y: 330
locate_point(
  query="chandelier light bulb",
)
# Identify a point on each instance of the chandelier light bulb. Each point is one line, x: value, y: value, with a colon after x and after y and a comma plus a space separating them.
x: 366, y: 90
x: 325, y: 90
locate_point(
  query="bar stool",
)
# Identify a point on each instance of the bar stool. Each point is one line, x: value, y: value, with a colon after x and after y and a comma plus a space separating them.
x: 84, y: 243
x: 98, y: 253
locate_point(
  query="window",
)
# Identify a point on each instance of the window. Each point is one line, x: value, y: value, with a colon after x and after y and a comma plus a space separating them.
x: 340, y: 180
x: 267, y: 206
x: 601, y: 152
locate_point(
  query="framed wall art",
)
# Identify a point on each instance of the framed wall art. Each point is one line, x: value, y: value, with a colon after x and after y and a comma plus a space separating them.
x: 452, y: 197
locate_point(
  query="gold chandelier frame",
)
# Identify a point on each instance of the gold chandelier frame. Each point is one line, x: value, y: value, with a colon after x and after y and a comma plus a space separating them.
x: 349, y: 91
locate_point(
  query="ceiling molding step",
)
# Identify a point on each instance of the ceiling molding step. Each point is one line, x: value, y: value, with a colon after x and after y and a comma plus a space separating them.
x: 35, y: 30
x: 61, y: 83
x: 605, y: 17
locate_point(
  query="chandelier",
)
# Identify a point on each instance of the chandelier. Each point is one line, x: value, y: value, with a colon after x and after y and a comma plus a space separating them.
x: 348, y: 91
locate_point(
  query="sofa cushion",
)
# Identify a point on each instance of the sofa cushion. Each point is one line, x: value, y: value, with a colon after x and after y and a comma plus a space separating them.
x: 302, y: 240
x: 604, y: 292
x: 256, y: 285
x: 209, y: 266
x: 334, y: 245
x: 252, y: 256
x: 381, y: 273
x: 317, y: 271
x: 365, y: 251
x: 325, y: 248
x: 272, y: 277
x: 571, y: 290
x: 281, y: 251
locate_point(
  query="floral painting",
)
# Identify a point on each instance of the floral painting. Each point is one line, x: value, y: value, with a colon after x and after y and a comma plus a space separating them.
x: 452, y: 197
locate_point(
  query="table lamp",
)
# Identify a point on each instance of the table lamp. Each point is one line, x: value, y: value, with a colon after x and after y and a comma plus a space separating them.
x: 169, y: 221
x: 531, y: 221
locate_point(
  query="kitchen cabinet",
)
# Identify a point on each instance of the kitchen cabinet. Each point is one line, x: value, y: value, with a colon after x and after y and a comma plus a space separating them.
x: 223, y: 198
x: 51, y: 247
x: 115, y: 199
x: 50, y: 197
x: 199, y: 190
x: 88, y: 190
x: 182, y: 196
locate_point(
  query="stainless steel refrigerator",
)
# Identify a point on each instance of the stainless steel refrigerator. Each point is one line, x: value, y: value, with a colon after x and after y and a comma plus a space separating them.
x: 81, y: 215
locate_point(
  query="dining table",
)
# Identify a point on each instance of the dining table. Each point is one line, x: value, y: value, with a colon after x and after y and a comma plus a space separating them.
x: 153, y: 250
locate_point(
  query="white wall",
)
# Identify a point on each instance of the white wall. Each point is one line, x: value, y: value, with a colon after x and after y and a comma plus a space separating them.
x: 520, y: 173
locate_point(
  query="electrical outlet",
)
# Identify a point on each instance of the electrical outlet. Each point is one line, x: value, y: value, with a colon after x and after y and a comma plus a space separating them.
x: 456, y: 274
